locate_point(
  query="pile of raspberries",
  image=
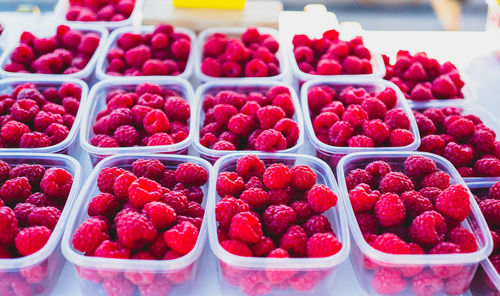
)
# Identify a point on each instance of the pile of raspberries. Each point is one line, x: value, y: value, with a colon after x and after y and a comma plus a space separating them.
x: 31, y: 200
x: 251, y: 55
x: 161, y: 52
x: 415, y: 212
x: 357, y: 117
x: 149, y: 213
x: 32, y: 117
x: 421, y: 78
x: 254, y: 121
x: 490, y: 207
x: 273, y: 212
x: 330, y: 55
x: 150, y: 115
x: 99, y: 10
x: 69, y: 51
x: 462, y: 139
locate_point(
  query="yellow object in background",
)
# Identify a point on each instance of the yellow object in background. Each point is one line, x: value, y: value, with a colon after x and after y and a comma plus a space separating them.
x: 217, y: 4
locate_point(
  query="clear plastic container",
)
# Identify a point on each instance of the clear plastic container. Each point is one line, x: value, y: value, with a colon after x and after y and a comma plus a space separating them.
x: 246, y: 86
x: 62, y: 7
x: 488, y: 119
x: 487, y: 280
x: 100, y: 70
x: 3, y: 37
x: 69, y: 144
x: 37, y: 274
x: 365, y: 258
x: 44, y: 31
x: 237, y: 32
x: 312, y: 275
x: 332, y: 154
x: 92, y: 271
x: 97, y: 102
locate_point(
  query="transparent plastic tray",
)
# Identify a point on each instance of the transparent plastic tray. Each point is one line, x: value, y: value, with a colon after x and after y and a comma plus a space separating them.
x: 246, y: 86
x: 47, y: 263
x: 62, y: 7
x: 100, y: 70
x: 363, y: 252
x: 488, y: 119
x: 183, y: 269
x: 237, y: 32
x: 97, y: 102
x: 84, y: 74
x: 68, y: 144
x: 331, y: 154
x: 322, y: 267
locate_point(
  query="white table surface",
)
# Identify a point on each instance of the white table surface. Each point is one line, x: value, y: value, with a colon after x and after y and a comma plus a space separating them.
x: 471, y: 51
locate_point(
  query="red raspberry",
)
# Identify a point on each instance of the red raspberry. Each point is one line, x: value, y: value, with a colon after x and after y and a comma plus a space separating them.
x: 277, y: 176
x: 89, y: 235
x: 245, y: 226
x: 144, y: 190
x: 250, y: 108
x: 302, y: 177
x: 375, y: 108
x: 417, y: 166
x: 107, y: 177
x: 362, y: 198
x: 488, y: 167
x: 118, y: 285
x: 302, y: 210
x: 278, y: 196
x: 211, y: 67
x: 390, y: 210
x: 284, y: 100
x: 483, y: 141
x: 182, y: 237
x: 15, y: 190
x: 395, y: 182
x: 44, y: 216
x: 223, y: 145
x: 428, y: 229
x: 4, y: 171
x: 126, y: 136
x: 226, y: 208
x: 358, y: 176
x: 109, y: 249
x: 415, y: 203
x: 133, y: 230
x: 229, y: 183
x: 494, y: 191
x: 425, y: 125
x: 22, y: 210
x: 24, y: 110
x: 432, y: 143
x: 56, y: 132
x: 12, y: 132
x: 177, y: 109
x: 439, y: 180
x: 454, y: 202
x: 289, y: 129
x: 323, y: 245
x: 268, y: 116
x: 270, y: 141
x: 255, y: 197
x: 177, y: 200
x: 367, y: 222
x: 491, y: 211
x: 360, y: 141
x: 436, y: 115
x: 54, y: 108
x: 56, y: 183
x: 160, y: 139
x: 464, y: 239
x: 237, y: 248
x: 34, y: 140
x: 277, y: 218
x: 378, y: 168
x: 391, y: 244
x: 160, y: 286
x: 8, y: 226
x: 256, y: 68
x: 458, y: 155
x: 376, y: 130
x: 122, y: 184
x: 294, y: 241
x: 388, y: 281
x: 250, y: 165
x: 278, y: 276
x: 148, y: 168
x: 151, y: 100
x: 355, y: 115
x: 224, y: 112
x: 443, y: 271
x: 31, y: 239
x: 241, y: 125
x: 340, y: 132
x: 156, y: 122
x: 400, y: 138
x: 461, y: 129
x: 317, y: 224
x: 323, y: 122
x: 397, y: 119
x: 41, y: 200
x: 103, y: 204
x: 426, y: 283
x: 321, y: 198
x: 263, y: 247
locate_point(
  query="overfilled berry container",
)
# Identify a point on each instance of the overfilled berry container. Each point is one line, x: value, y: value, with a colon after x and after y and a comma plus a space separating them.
x: 105, y: 276
x: 240, y: 275
x: 38, y: 273
x: 332, y: 154
x: 411, y: 274
x: 69, y: 144
x: 237, y: 32
x: 244, y: 86
x: 46, y: 31
x: 97, y: 103
x: 112, y: 43
x: 487, y: 280
x: 63, y: 6
x: 484, y: 136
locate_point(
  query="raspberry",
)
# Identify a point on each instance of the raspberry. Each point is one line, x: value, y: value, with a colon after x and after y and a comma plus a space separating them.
x: 483, y: 141
x: 388, y: 281
x: 284, y: 101
x: 464, y: 239
x: 454, y: 202
x: 360, y: 141
x: 255, y: 197
x: 428, y: 229
x: 362, y: 199
x: 491, y: 211
x: 358, y: 176
x: 22, y: 210
x: 24, y: 110
x: 8, y: 225
x: 223, y: 145
x: 160, y: 139
x: 494, y: 191
x: 458, y: 155
x: 245, y: 226
x: 90, y: 234
x: 236, y: 247
x: 151, y: 100
x: 44, y: 119
x: 302, y: 177
x: 133, y: 230
x: 12, y: 132
x: 229, y: 183
x: 340, y: 132
x: 103, y: 204
x: 44, y: 216
x: 148, y: 168
x: 160, y: 286
x: 294, y: 241
x: 4, y: 171
x: 109, y: 249
x: 461, y: 129
x: 488, y: 167
x: 445, y: 271
x: 176, y: 200
x: 15, y: 190
x: 240, y: 124
x: 432, y: 143
x: 391, y: 244
x: 367, y: 222
x: 397, y: 119
x: 395, y: 182
x: 107, y: 177
x: 415, y: 203
x: 270, y: 141
x: 31, y: 239
x: 126, y: 136
x: 376, y: 130
x: 289, y: 129
x: 302, y: 210
x: 256, y: 68
x: 226, y: 208
x: 317, y: 224
x: 191, y: 174
x: 400, y: 138
x: 355, y: 115
x: 375, y: 108
x: 211, y: 67
x: 277, y: 218
x: 425, y: 125
x: 223, y: 113
x: 321, y: 198
x: 436, y: 115
x: 378, y: 168
x: 144, y: 190
x: 277, y: 176
x: 426, y: 283
x: 268, y: 116
x: 156, y: 122
x: 118, y: 285
x: 249, y: 166
x: 122, y: 184
x: 439, y: 180
x: 56, y: 132
x: 417, y: 166
x: 182, y: 237
x: 41, y: 200
x: 323, y: 245
x: 278, y: 276
x: 323, y: 122
x: 390, y: 210
x: 56, y: 183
